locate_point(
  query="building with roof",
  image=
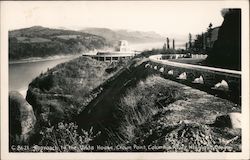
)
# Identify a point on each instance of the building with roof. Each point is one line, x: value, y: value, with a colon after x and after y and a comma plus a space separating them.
x: 121, y: 51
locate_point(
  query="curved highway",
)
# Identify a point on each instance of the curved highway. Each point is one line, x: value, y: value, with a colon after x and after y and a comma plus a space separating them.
x: 221, y: 82
x: 158, y: 59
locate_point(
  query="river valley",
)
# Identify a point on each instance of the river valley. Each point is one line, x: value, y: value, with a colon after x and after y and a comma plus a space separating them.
x: 21, y: 74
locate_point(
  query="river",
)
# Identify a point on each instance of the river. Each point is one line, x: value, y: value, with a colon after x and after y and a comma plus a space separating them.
x: 21, y: 74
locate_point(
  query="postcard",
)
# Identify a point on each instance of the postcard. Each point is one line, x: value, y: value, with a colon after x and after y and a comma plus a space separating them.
x: 124, y: 80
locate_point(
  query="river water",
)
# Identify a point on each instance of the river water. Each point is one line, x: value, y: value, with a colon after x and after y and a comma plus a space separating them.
x: 21, y: 74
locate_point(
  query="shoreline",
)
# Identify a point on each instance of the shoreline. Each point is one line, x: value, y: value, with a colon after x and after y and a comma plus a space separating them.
x: 40, y: 59
x: 62, y: 56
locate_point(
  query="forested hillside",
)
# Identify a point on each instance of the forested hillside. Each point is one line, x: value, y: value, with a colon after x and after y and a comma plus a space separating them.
x: 39, y: 41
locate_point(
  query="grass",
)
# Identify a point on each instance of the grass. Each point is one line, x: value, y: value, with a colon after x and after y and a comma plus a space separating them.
x: 68, y: 87
x: 165, y: 113
x: 141, y: 103
x: 32, y: 40
x: 63, y: 137
x: 61, y: 93
x: 155, y: 111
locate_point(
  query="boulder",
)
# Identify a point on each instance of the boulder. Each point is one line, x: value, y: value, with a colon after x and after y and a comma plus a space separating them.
x: 171, y: 72
x: 21, y: 118
x: 199, y: 80
x: 235, y: 118
x: 231, y: 120
x: 182, y: 76
x: 161, y: 69
x: 223, y: 85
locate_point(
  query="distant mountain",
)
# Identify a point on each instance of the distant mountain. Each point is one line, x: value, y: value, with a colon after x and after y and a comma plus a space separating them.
x: 39, y: 41
x: 113, y: 36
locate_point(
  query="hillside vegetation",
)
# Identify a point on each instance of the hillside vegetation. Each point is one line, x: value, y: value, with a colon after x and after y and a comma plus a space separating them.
x: 174, y: 117
x: 39, y: 41
x: 62, y: 92
x: 57, y: 97
x: 134, y: 107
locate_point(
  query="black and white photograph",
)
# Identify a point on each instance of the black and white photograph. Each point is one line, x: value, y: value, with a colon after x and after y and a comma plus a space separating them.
x: 125, y: 79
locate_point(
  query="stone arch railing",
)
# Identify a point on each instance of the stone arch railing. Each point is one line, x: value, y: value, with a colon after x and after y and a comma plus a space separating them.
x: 211, y: 78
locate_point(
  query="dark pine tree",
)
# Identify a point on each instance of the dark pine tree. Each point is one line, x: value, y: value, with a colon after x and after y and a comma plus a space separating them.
x: 190, y: 40
x: 173, y: 44
x: 167, y: 42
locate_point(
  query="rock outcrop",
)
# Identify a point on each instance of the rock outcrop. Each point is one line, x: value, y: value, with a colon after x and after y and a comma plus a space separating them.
x: 226, y: 52
x: 231, y: 120
x: 21, y: 119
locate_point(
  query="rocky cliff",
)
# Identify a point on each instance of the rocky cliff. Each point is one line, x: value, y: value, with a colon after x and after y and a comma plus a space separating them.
x: 226, y: 52
x: 22, y: 119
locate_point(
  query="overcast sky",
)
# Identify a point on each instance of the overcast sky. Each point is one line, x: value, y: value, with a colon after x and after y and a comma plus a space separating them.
x: 164, y: 17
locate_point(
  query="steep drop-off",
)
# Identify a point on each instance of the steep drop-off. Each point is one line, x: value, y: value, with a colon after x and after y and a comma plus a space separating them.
x: 62, y: 92
x: 131, y: 108
x: 21, y: 119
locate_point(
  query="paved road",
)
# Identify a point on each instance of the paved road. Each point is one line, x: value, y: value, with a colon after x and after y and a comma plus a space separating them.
x: 215, y: 75
x: 234, y: 73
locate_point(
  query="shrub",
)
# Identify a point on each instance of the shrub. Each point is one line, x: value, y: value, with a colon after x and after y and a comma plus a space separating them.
x: 64, y: 137
x: 141, y: 103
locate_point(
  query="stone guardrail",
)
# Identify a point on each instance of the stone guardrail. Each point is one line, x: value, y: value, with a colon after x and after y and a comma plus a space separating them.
x: 159, y: 59
x: 211, y: 78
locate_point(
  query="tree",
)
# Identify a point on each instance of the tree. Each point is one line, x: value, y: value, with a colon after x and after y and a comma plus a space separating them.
x: 164, y: 47
x: 203, y: 41
x: 173, y: 44
x: 198, y: 43
x: 167, y: 43
x: 190, y: 40
x: 210, y: 26
x: 209, y: 33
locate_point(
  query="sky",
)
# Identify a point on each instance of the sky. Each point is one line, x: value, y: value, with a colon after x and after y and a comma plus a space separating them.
x: 163, y: 17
